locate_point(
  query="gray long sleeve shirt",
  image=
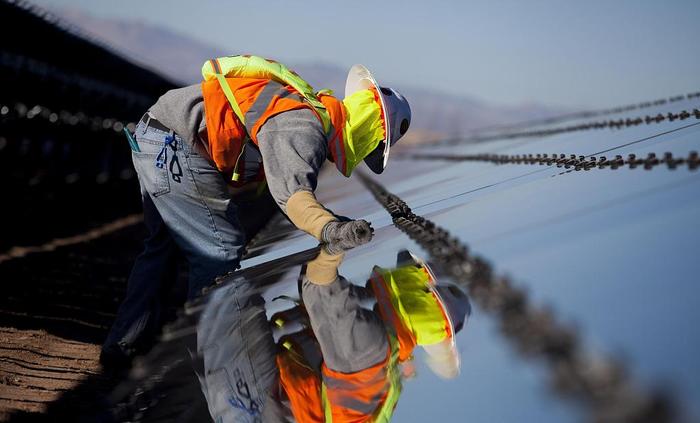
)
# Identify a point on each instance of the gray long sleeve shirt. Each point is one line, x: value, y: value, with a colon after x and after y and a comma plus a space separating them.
x: 292, y: 144
x: 351, y: 337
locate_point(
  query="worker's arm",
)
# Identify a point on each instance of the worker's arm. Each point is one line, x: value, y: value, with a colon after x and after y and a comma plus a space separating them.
x: 294, y: 148
x: 351, y: 337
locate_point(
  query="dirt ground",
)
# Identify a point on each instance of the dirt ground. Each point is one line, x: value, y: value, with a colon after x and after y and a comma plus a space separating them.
x: 55, y: 311
x: 36, y: 368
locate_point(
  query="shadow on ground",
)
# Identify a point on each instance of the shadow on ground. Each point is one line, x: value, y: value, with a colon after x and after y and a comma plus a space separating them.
x: 55, y: 312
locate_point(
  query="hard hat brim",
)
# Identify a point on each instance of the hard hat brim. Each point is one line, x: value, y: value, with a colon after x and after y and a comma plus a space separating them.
x: 446, y: 312
x: 360, y: 78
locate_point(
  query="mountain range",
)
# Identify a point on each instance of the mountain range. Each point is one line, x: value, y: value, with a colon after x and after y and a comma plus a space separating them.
x: 179, y: 57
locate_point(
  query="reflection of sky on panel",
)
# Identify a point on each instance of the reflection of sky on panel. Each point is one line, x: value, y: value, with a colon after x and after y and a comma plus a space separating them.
x: 493, y: 386
x: 622, y: 272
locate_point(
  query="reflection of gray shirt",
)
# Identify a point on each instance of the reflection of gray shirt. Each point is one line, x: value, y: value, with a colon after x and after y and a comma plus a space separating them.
x: 351, y: 338
x: 292, y: 144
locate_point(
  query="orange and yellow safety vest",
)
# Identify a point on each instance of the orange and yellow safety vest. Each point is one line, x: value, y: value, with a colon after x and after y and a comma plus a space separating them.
x: 368, y: 395
x: 230, y: 124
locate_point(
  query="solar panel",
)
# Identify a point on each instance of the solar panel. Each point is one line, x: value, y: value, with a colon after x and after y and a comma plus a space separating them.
x: 581, y: 269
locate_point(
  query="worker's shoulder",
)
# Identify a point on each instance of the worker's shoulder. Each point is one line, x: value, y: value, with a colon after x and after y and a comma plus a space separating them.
x: 188, y: 91
x: 297, y: 120
x: 180, y: 97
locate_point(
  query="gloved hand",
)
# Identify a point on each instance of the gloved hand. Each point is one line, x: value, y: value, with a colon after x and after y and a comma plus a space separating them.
x: 342, y: 236
x: 323, y: 270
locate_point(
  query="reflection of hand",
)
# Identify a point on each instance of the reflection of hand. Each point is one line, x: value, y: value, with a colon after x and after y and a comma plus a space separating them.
x: 323, y: 270
x: 342, y: 236
x: 408, y: 369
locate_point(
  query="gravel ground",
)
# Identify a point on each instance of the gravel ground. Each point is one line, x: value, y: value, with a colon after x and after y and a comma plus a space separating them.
x: 55, y: 312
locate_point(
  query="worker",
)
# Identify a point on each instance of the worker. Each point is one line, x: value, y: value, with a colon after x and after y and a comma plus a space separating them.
x: 346, y: 363
x: 250, y: 119
x: 365, y: 353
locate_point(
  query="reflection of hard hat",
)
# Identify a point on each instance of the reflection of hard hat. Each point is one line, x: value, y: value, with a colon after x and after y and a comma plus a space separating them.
x: 395, y: 108
x: 456, y: 302
x: 443, y: 359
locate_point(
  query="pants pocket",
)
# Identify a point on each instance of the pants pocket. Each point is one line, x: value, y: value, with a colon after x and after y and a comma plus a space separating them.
x: 155, y: 179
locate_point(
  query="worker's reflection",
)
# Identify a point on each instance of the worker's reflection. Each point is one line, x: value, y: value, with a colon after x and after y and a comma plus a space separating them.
x: 344, y: 350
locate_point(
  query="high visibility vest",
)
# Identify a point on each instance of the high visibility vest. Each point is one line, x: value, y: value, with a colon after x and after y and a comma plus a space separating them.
x: 369, y: 395
x: 247, y: 66
x: 242, y: 92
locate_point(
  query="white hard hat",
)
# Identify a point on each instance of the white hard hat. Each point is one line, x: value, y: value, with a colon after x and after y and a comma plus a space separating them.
x: 397, y: 114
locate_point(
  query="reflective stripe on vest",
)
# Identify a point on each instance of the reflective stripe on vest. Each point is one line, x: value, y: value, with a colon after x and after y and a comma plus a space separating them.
x: 339, y: 149
x: 230, y: 97
x: 336, y: 134
x: 262, y: 103
x: 384, y: 414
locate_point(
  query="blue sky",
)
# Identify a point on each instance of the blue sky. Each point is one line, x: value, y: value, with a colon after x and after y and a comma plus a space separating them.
x: 595, y: 53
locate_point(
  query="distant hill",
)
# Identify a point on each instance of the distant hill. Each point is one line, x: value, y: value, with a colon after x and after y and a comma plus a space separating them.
x: 179, y: 57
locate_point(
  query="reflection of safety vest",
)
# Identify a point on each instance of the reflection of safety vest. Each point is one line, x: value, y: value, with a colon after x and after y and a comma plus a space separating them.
x: 369, y: 395
x: 242, y: 92
x: 409, y: 307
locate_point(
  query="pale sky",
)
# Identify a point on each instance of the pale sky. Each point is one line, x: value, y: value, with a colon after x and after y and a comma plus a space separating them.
x: 594, y: 53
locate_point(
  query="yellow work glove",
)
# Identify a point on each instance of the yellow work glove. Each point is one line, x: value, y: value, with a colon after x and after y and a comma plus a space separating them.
x: 323, y: 270
x: 308, y: 214
x: 311, y: 217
